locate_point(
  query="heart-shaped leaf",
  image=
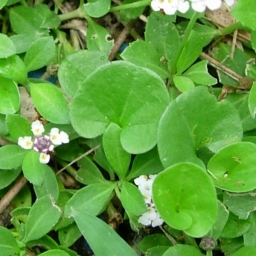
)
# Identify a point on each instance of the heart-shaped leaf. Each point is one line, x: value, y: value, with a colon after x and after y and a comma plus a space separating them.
x: 185, y: 197
x: 233, y: 167
x: 194, y: 122
x: 132, y: 97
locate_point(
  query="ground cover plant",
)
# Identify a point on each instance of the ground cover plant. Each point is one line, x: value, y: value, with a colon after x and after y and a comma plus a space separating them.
x: 127, y: 127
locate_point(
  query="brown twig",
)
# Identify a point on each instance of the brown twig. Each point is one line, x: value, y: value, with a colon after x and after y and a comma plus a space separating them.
x: 120, y: 39
x: 14, y: 190
x: 77, y: 159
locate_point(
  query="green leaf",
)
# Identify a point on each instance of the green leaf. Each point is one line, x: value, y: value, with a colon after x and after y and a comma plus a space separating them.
x: 198, y: 73
x: 3, y: 3
x: 131, y: 14
x: 182, y: 249
x: 50, y: 102
x: 14, y: 69
x: 18, y: 126
x: 233, y: 167
x: 112, y: 244
x: 55, y: 252
x: 249, y: 235
x: 243, y: 11
x: 8, y: 176
x: 168, y: 46
x: 151, y: 241
x: 198, y: 120
x: 76, y: 67
x: 91, y: 199
x: 98, y: 38
x: 9, y: 96
x: 33, y: 170
x: 242, y: 205
x: 7, y: 47
x: 136, y: 108
x: 186, y: 199
x: 43, y: 215
x: 116, y: 155
x: 89, y: 173
x: 23, y: 41
x: 97, y: 8
x: 49, y: 186
x: 235, y: 227
x: 40, y: 53
x: 183, y: 83
x: 8, y: 243
x: 11, y: 156
x: 27, y: 20
x: 68, y: 235
x: 143, y: 54
x: 246, y: 250
x: 145, y: 164
x: 132, y: 199
x: 252, y: 100
x: 190, y: 52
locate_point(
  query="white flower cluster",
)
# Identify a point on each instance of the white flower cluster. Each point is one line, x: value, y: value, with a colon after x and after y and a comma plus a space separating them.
x: 43, y: 143
x: 151, y: 217
x: 170, y: 7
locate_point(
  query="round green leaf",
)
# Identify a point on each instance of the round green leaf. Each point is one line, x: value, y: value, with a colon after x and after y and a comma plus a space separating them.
x: 181, y: 250
x: 195, y: 122
x: 8, y: 176
x: 9, y: 96
x: 11, y: 156
x: 50, y: 102
x: 7, y: 47
x: 246, y: 250
x: 186, y: 199
x: 76, y: 67
x: 97, y: 8
x: 132, y: 97
x: 233, y: 167
x: 183, y: 83
x: 54, y: 252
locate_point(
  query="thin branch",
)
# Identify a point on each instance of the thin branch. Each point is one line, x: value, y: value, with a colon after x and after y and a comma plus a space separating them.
x: 14, y: 190
x: 77, y: 159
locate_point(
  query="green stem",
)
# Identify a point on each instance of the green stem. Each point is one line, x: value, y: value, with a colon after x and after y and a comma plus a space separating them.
x: 130, y: 6
x: 208, y: 253
x: 78, y: 13
x: 230, y: 29
x: 186, y: 37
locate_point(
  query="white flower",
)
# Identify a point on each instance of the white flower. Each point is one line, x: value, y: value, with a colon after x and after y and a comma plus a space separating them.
x: 25, y: 142
x: 201, y: 5
x: 37, y: 128
x: 44, y: 158
x: 151, y: 217
x: 57, y: 137
x: 170, y: 7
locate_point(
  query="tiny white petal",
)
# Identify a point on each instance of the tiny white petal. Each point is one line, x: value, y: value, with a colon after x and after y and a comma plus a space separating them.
x: 64, y: 137
x: 158, y: 221
x: 57, y: 138
x: 44, y: 158
x: 213, y: 5
x: 25, y: 142
x: 230, y: 2
x: 37, y: 128
x: 140, y: 180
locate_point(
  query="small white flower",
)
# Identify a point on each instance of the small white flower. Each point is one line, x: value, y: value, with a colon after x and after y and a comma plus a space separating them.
x: 25, y: 142
x: 57, y: 137
x: 44, y: 158
x: 151, y: 217
x: 201, y: 5
x: 37, y: 128
x: 170, y: 7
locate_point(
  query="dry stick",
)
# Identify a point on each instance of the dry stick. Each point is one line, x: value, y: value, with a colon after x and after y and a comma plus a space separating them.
x: 14, y: 190
x: 121, y: 38
x: 173, y: 241
x: 77, y: 159
x: 245, y: 82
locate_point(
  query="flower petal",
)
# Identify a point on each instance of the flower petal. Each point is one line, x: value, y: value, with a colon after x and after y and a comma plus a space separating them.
x: 44, y: 158
x: 37, y: 128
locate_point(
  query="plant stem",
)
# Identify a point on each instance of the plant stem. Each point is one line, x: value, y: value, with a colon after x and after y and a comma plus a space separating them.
x: 78, y: 13
x: 208, y: 253
x: 130, y: 6
x: 230, y: 29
